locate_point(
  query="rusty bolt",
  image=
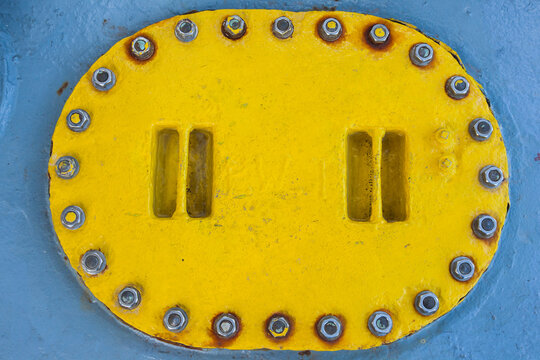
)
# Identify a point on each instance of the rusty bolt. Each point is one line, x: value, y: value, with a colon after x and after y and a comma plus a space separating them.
x: 186, y: 30
x: 72, y: 217
x: 329, y: 328
x: 426, y: 303
x: 234, y: 27
x: 142, y: 48
x: 129, y: 298
x: 67, y: 167
x: 330, y: 29
x: 278, y: 326
x: 380, y: 323
x: 226, y: 326
x: 282, y: 27
x: 421, y: 54
x: 103, y: 79
x: 462, y: 268
x: 378, y: 34
x: 484, y: 226
x: 78, y: 120
x: 457, y: 87
x: 480, y: 129
x: 491, y: 176
x: 93, y: 262
x: 175, y: 319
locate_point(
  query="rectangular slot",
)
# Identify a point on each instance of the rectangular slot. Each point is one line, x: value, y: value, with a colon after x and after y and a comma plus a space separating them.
x: 166, y: 172
x: 393, y: 178
x: 359, y: 176
x: 199, y: 174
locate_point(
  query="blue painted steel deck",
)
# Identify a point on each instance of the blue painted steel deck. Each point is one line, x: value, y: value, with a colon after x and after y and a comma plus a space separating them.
x: 46, y: 314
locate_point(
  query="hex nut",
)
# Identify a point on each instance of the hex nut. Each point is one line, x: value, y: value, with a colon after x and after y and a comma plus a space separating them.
x: 380, y: 323
x: 378, y: 34
x: 234, y: 27
x: 329, y: 328
x: 78, y: 120
x: 426, y: 303
x: 480, y: 129
x: 142, y: 48
x: 421, y: 54
x: 93, y: 262
x: 129, y: 298
x: 103, y: 79
x: 67, y: 167
x: 278, y: 326
x: 484, y: 226
x: 462, y: 268
x: 491, y: 176
x: 330, y: 29
x: 226, y: 326
x: 72, y: 217
x: 186, y: 30
x: 175, y: 319
x: 282, y: 27
x: 457, y: 87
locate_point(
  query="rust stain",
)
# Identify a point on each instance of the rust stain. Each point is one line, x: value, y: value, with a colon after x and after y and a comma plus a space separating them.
x: 220, y: 342
x: 62, y: 88
x: 380, y: 47
x: 291, y: 326
x: 332, y: 343
x: 127, y: 47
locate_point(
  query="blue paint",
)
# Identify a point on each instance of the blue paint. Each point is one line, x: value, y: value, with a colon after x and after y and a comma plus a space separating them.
x: 47, y: 314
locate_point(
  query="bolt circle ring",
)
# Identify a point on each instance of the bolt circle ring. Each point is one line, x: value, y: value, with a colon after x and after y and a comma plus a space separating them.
x: 421, y: 54
x: 226, y: 326
x: 462, y: 268
x: 67, y: 167
x: 329, y: 328
x: 142, y: 48
x: 129, y: 298
x: 457, y: 87
x: 186, y: 30
x: 103, y: 79
x: 278, y: 326
x: 426, y: 303
x: 78, y: 120
x: 77, y: 222
x: 175, y: 319
x: 380, y: 323
x: 93, y: 262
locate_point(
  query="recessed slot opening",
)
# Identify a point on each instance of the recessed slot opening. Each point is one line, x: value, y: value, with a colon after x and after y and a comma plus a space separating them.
x: 359, y: 176
x: 167, y: 164
x: 199, y: 174
x: 393, y: 177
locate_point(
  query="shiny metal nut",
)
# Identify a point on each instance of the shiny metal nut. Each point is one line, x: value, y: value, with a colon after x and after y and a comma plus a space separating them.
x: 380, y: 323
x: 462, y: 268
x: 378, y: 34
x: 480, y: 129
x: 484, y: 226
x: 103, y: 79
x: 278, y: 326
x: 186, y: 30
x: 426, y: 303
x: 491, y: 176
x: 175, y: 319
x: 330, y: 29
x: 78, y: 120
x: 421, y: 54
x: 226, y: 326
x: 72, y: 217
x: 282, y: 27
x: 142, y: 48
x: 67, y: 167
x: 329, y: 328
x: 457, y: 87
x: 129, y: 298
x: 93, y: 262
x: 234, y: 27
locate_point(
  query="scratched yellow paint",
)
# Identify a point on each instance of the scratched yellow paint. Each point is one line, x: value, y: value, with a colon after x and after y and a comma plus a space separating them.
x: 278, y: 238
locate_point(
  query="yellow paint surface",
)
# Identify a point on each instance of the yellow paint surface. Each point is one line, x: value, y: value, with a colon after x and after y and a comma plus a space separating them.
x: 278, y: 238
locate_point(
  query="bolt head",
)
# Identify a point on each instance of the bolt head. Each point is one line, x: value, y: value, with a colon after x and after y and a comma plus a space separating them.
x: 72, y: 217
x: 484, y: 226
x: 421, y: 54
x: 330, y: 29
x: 78, y: 120
x: 378, y: 34
x: 103, y: 79
x: 329, y: 328
x: 462, y: 268
x: 142, y: 48
x: 457, y: 87
x: 129, y: 298
x: 491, y: 176
x: 175, y: 319
x: 186, y: 30
x: 282, y: 27
x: 426, y: 303
x: 380, y: 323
x: 226, y: 326
x: 67, y: 167
x: 278, y: 327
x: 480, y: 129
x: 234, y: 27
x: 93, y: 262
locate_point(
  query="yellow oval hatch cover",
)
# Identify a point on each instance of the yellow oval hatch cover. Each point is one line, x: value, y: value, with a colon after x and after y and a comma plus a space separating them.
x: 254, y: 179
